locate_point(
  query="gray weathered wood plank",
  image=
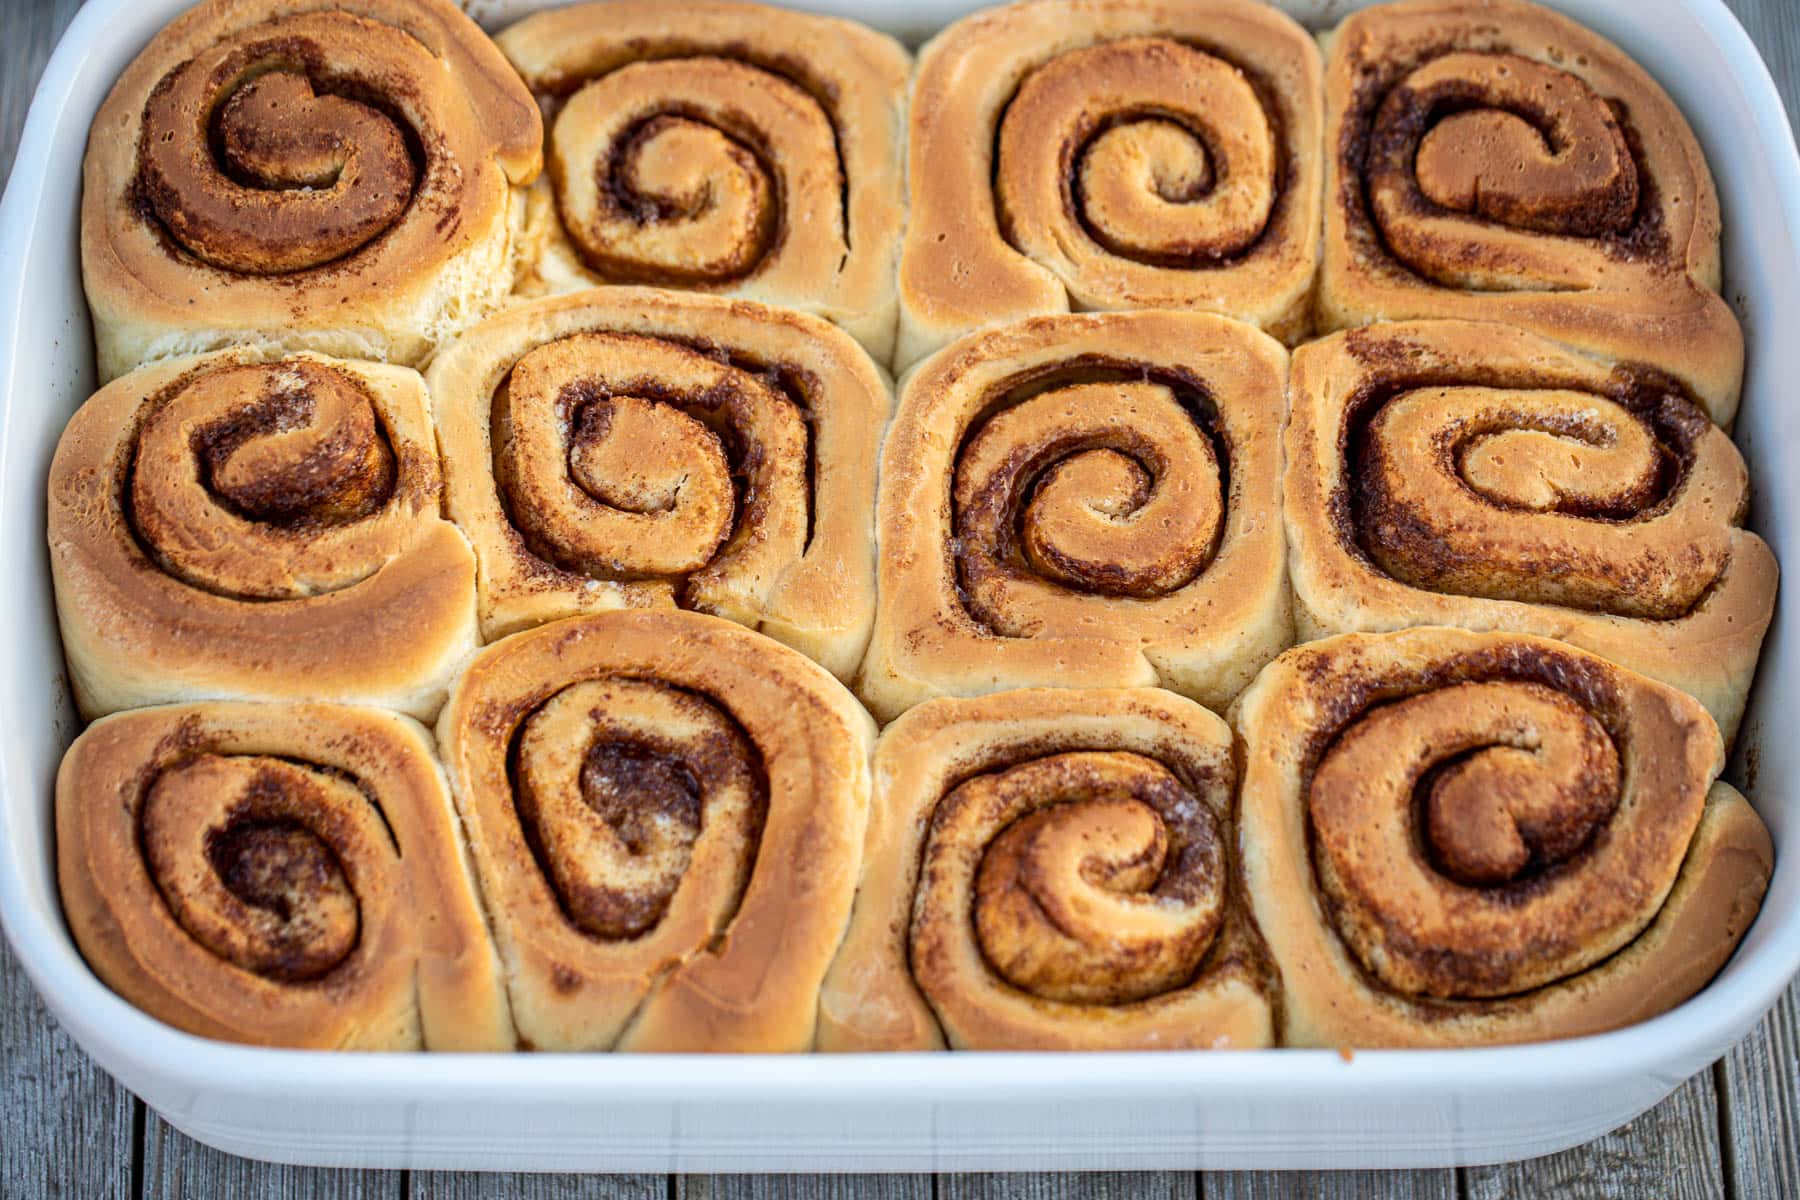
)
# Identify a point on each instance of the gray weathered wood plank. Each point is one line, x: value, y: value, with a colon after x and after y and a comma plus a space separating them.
x: 32, y: 28
x: 1774, y: 25
x: 463, y: 1185
x: 1671, y: 1152
x: 1138, y: 1185
x: 1759, y: 1080
x: 814, y: 1187
x: 178, y: 1168
x: 1329, y: 1185
x: 65, y: 1126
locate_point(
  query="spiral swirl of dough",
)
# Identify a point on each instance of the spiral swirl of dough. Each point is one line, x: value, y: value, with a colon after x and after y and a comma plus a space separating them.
x: 643, y: 448
x: 742, y: 149
x: 1462, y: 473
x: 625, y: 787
x: 1550, y: 496
x: 1497, y: 161
x: 1458, y: 838
x: 1092, y: 878
x: 666, y: 812
x: 1183, y: 167
x: 1050, y: 870
x: 250, y: 524
x: 333, y: 178
x: 1080, y: 498
x: 283, y: 171
x: 1107, y: 155
x: 271, y: 481
x: 256, y: 873
x: 623, y: 457
x: 1468, y: 148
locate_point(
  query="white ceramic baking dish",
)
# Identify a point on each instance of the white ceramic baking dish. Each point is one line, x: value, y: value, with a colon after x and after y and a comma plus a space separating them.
x: 1287, y: 1108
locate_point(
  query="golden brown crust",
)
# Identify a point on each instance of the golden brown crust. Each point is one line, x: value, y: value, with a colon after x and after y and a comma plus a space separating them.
x: 630, y: 447
x: 333, y: 175
x: 1083, y: 501
x: 730, y: 147
x: 246, y: 525
x: 1456, y: 838
x: 1465, y: 473
x: 1050, y: 870
x: 1491, y: 159
x: 281, y: 874
x: 1111, y: 154
x: 667, y: 813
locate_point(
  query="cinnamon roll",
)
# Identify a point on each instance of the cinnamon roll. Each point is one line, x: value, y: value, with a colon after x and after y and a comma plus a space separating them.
x: 1463, y: 473
x: 251, y: 525
x: 1455, y: 838
x: 1491, y: 159
x: 1112, y: 154
x: 286, y: 875
x: 632, y: 447
x: 1083, y: 501
x: 722, y: 146
x: 330, y: 175
x: 1050, y: 869
x: 666, y: 812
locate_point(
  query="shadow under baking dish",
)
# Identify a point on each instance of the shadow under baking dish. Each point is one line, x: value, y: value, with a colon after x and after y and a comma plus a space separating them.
x: 1269, y: 1109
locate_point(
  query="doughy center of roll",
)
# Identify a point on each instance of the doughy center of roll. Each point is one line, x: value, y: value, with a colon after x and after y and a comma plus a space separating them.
x: 1473, y: 159
x: 617, y: 782
x: 273, y: 156
x: 1098, y: 878
x: 245, y: 851
x: 1159, y: 152
x: 268, y: 481
x: 1477, y: 841
x: 1547, y: 496
x: 1544, y: 152
x: 625, y: 457
x: 694, y: 171
x: 1104, y: 488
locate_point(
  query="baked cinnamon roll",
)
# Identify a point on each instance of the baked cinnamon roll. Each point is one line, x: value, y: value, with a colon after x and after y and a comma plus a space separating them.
x: 728, y: 147
x: 1456, y: 838
x: 632, y: 448
x: 1494, y: 160
x: 247, y: 524
x: 1083, y: 501
x: 666, y: 812
x: 1050, y: 869
x: 330, y: 175
x: 1112, y: 154
x: 1463, y: 473
x: 281, y: 874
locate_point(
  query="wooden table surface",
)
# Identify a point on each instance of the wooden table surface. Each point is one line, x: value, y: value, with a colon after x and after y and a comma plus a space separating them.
x: 67, y: 1130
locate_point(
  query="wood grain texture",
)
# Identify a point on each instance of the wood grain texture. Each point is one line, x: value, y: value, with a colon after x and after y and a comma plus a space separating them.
x: 1774, y: 25
x: 66, y: 1130
x: 462, y: 1185
x: 807, y: 1187
x: 1140, y: 1185
x: 32, y: 27
x: 1671, y: 1152
x: 1759, y: 1082
x: 65, y: 1126
x: 1329, y: 1185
